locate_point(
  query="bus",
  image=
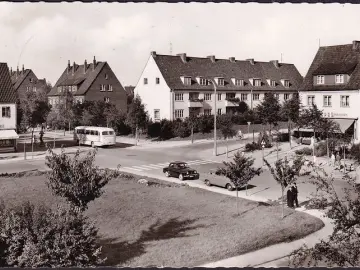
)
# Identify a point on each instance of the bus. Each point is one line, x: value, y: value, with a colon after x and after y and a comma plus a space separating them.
x: 94, y: 136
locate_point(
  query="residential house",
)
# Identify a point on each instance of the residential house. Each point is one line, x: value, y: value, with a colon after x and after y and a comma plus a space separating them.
x: 333, y: 84
x: 25, y: 80
x: 8, y: 135
x: 176, y: 86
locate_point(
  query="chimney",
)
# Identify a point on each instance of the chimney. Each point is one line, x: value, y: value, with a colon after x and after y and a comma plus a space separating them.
x: 68, y: 67
x: 23, y: 69
x: 251, y: 60
x: 73, y: 69
x: 153, y: 54
x: 232, y: 59
x: 356, y: 45
x: 212, y: 58
x: 275, y: 62
x: 11, y: 73
x: 85, y: 66
x: 183, y: 57
x: 94, y: 63
x: 17, y: 70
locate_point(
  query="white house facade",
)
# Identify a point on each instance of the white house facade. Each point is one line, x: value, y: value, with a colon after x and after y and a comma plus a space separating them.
x: 8, y: 135
x: 333, y: 84
x: 178, y: 86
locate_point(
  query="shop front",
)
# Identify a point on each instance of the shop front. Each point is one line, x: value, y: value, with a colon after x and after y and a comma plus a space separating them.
x: 8, y: 140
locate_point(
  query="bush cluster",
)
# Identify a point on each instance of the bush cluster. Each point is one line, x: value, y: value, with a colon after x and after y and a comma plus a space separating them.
x: 307, y: 151
x: 250, y: 147
x: 320, y: 150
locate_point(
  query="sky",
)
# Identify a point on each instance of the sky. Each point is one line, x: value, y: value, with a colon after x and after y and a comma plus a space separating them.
x: 44, y: 36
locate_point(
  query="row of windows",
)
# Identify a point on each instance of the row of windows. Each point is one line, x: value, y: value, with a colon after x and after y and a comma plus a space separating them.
x: 76, y: 100
x: 180, y: 113
x: 320, y: 79
x: 5, y: 112
x: 30, y: 88
x: 106, y: 87
x: 93, y: 132
x: 327, y: 101
x: 243, y: 97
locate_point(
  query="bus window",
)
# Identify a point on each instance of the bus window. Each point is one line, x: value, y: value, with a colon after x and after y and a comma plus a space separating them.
x: 111, y: 132
x: 87, y: 132
x: 92, y: 132
x: 96, y: 133
x: 104, y: 133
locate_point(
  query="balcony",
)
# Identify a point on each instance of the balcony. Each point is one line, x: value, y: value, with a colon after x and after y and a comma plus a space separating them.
x: 195, y: 103
x: 232, y: 102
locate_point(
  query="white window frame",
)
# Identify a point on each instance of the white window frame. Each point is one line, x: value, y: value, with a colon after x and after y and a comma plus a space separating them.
x: 156, y: 111
x: 221, y: 81
x: 239, y: 82
x: 102, y: 88
x: 6, y: 112
x: 219, y: 96
x: 243, y: 97
x: 273, y: 83
x: 320, y: 79
x: 110, y: 89
x: 327, y: 101
x: 106, y: 99
x: 257, y: 82
x: 219, y: 111
x: 145, y: 81
x: 312, y: 98
x: 207, y: 111
x: 179, y: 97
x: 203, y: 81
x: 179, y: 113
x: 187, y: 80
x: 286, y: 96
x: 345, y: 101
x: 157, y: 80
x: 277, y: 96
x: 255, y: 96
x: 340, y: 77
x: 207, y: 96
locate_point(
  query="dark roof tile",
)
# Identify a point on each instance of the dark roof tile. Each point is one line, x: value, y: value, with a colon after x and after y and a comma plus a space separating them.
x: 172, y: 68
x: 7, y: 93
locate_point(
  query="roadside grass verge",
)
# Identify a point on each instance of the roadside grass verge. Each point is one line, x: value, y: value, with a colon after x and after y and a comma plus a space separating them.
x: 167, y: 224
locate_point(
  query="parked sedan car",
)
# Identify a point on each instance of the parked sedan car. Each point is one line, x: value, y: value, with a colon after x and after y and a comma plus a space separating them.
x: 212, y: 179
x: 180, y: 170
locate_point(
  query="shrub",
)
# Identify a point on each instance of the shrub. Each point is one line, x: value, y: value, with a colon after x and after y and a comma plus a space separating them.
x: 181, y: 129
x: 282, y: 137
x: 355, y: 152
x: 42, y: 237
x: 306, y: 141
x: 206, y: 123
x: 321, y: 149
x: 166, y: 131
x: 299, y: 140
x: 154, y: 130
x: 250, y: 147
x: 307, y: 151
x: 238, y: 119
x: 77, y: 180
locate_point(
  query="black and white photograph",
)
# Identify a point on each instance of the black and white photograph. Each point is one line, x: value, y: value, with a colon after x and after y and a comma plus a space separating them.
x: 179, y: 135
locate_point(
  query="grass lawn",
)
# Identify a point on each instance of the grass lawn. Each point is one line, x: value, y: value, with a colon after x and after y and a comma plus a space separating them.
x: 166, y: 224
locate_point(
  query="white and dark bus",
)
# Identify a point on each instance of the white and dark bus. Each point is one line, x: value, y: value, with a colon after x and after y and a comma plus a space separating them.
x: 94, y: 136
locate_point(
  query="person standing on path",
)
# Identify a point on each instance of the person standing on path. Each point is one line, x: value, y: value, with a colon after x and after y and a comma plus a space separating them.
x: 338, y: 158
x: 332, y: 159
x: 290, y: 197
x: 295, y: 192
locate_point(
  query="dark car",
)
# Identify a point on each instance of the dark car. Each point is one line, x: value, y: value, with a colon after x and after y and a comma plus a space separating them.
x: 180, y: 170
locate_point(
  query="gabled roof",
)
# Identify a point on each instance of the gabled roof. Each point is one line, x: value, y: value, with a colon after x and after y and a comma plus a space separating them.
x: 18, y: 77
x: 79, y: 77
x: 7, y: 93
x: 172, y: 68
x: 331, y: 60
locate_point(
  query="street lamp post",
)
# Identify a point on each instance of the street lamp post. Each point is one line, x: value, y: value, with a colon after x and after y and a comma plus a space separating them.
x: 215, y: 143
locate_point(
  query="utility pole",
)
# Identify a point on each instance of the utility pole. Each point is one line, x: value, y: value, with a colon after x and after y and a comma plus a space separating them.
x: 215, y: 137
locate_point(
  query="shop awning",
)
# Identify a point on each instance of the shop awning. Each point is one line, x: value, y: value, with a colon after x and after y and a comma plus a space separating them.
x: 8, y: 134
x: 344, y: 124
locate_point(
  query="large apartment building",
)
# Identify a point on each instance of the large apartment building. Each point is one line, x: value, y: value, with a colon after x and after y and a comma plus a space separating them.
x: 176, y: 86
x: 89, y: 82
x: 333, y: 84
x: 8, y: 135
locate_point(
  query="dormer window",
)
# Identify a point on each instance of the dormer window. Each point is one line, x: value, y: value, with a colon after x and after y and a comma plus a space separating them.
x: 203, y: 81
x: 187, y: 80
x: 257, y: 82
x: 320, y: 79
x: 239, y: 82
x: 220, y: 81
x: 286, y: 83
x: 339, y: 78
x: 273, y: 83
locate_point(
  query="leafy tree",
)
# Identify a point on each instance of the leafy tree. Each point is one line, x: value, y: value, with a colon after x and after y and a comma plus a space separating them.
x: 341, y: 248
x: 38, y: 236
x: 111, y: 114
x: 137, y: 116
x: 77, y: 179
x: 242, y: 107
x: 268, y: 111
x: 65, y: 109
x: 240, y: 171
x: 225, y: 125
x: 286, y: 173
x: 206, y: 123
x: 192, y: 122
x: 290, y: 110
